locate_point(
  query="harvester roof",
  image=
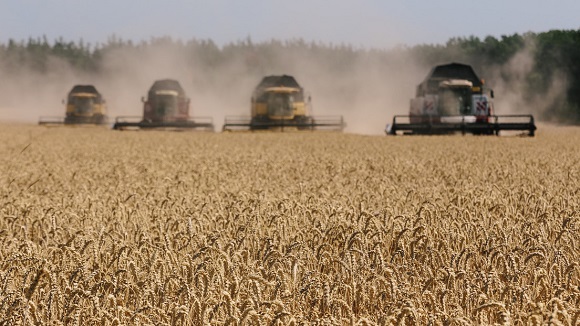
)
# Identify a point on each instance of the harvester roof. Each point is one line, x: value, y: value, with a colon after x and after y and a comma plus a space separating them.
x: 84, y: 89
x: 167, y: 85
x: 281, y: 83
x: 278, y: 81
x: 449, y: 71
x: 455, y: 71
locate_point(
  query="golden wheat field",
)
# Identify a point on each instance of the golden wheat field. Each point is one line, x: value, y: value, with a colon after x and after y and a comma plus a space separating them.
x: 102, y: 227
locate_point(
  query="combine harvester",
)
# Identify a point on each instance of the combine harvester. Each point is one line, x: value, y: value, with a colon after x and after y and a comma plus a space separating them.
x: 166, y: 107
x: 453, y: 99
x: 278, y: 103
x: 84, y: 106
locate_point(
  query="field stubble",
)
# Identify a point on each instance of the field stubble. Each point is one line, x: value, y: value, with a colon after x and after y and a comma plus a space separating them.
x: 107, y: 228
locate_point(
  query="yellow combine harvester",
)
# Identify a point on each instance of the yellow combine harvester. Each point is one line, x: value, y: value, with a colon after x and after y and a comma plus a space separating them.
x: 278, y: 102
x: 84, y: 105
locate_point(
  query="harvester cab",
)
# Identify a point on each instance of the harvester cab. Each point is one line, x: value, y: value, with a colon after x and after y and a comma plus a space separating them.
x: 166, y: 106
x: 279, y: 102
x: 84, y: 105
x: 453, y: 99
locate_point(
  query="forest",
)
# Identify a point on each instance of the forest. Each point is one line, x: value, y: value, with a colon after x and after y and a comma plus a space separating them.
x: 544, y: 66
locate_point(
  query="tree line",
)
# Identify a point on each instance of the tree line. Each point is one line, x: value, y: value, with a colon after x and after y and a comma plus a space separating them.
x: 547, y: 58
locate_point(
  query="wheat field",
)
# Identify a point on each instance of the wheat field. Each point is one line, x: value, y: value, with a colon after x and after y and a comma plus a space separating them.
x: 101, y: 227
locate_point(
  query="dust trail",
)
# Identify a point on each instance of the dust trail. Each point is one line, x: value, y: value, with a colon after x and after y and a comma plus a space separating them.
x: 511, y: 80
x: 26, y: 94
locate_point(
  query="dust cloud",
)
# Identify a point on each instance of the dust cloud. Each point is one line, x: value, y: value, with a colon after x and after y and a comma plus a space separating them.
x: 509, y: 82
x: 367, y: 89
x: 25, y: 94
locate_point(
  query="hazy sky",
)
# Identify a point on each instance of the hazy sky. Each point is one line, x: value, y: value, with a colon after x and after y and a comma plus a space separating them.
x: 367, y: 23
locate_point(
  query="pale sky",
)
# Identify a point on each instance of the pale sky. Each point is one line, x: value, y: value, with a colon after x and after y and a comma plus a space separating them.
x: 361, y: 23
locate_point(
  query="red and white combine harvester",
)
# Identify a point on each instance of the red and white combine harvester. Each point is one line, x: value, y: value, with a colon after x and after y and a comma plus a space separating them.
x: 165, y: 107
x: 453, y: 99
